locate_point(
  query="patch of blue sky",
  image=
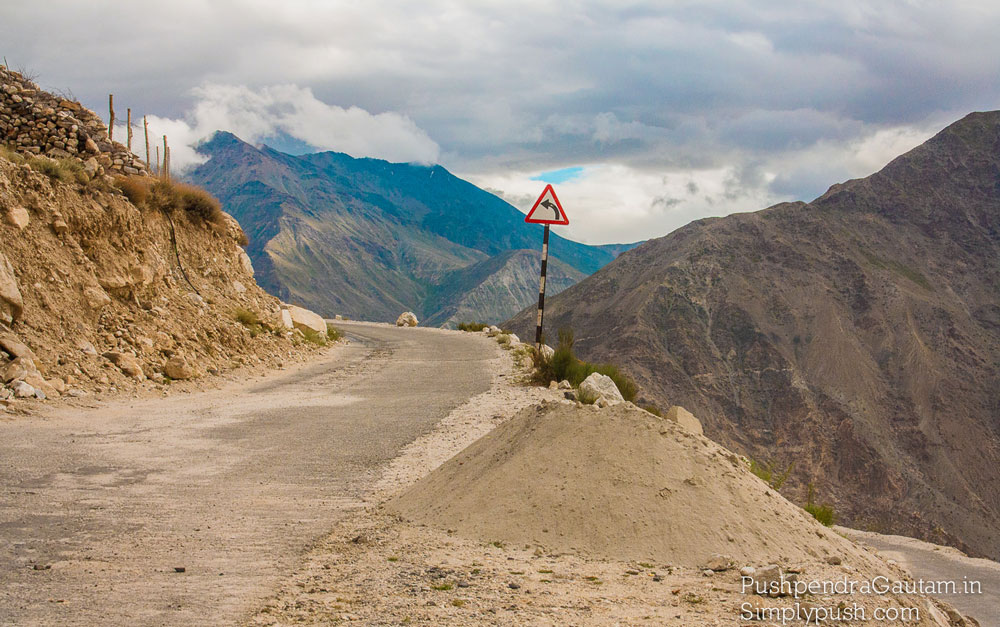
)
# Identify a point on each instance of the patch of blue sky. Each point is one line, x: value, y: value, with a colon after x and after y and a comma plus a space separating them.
x: 559, y: 176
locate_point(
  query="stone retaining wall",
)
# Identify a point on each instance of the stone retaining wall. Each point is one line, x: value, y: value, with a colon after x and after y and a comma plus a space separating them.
x: 35, y: 122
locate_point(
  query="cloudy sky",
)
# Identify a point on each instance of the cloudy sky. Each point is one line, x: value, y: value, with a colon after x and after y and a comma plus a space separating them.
x: 644, y: 115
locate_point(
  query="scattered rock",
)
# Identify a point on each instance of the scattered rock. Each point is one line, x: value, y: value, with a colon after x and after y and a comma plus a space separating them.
x: 719, y: 563
x: 22, y: 390
x: 547, y: 352
x: 834, y: 560
x: 96, y: 298
x: 406, y: 319
x: 178, y: 368
x: 513, y: 339
x: 565, y: 385
x: 569, y: 395
x: 18, y: 217
x: 685, y: 419
x: 17, y: 370
x: 15, y: 347
x: 747, y: 571
x: 11, y: 302
x: 127, y: 363
x: 86, y: 347
x: 245, y: 262
x: 598, y: 385
x: 239, y: 287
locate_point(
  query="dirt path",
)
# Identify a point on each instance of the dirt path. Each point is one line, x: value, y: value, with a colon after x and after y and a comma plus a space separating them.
x: 931, y: 562
x: 100, y: 505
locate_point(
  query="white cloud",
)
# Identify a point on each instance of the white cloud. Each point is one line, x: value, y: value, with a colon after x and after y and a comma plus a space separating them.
x: 616, y: 203
x: 257, y: 114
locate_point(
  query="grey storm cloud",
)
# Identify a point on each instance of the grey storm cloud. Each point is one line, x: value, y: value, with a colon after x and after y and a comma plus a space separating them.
x: 784, y: 97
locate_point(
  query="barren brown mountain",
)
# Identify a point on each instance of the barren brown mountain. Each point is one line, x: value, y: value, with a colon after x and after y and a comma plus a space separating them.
x: 856, y: 337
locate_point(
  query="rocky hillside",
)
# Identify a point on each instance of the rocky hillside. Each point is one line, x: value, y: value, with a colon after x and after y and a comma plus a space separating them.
x: 98, y: 294
x: 855, y: 338
x: 369, y: 239
x: 487, y: 290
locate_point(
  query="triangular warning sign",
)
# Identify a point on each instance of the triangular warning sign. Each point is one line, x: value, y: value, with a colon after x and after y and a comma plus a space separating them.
x: 547, y: 209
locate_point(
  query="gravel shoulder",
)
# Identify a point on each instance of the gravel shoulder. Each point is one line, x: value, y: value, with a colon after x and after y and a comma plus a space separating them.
x: 103, y: 504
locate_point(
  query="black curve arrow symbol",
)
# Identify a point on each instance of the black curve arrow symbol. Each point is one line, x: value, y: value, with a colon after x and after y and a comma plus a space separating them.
x: 548, y: 204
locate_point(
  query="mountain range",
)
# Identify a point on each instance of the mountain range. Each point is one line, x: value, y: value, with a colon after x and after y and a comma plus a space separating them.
x: 369, y: 239
x: 853, y: 341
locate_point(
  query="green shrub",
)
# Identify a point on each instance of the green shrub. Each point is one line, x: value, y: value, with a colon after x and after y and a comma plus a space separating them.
x: 169, y: 197
x: 653, y: 409
x: 471, y: 326
x: 11, y: 155
x: 565, y: 365
x: 73, y: 170
x: 771, y: 475
x: 198, y: 202
x: 49, y: 168
x: 822, y: 513
x: 250, y: 320
x: 135, y: 188
x: 333, y: 333
x: 314, y: 336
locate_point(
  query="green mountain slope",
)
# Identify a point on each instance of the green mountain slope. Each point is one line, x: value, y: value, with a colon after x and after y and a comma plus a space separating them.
x: 370, y: 239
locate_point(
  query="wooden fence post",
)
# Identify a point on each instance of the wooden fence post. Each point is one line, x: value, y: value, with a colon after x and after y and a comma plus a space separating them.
x: 145, y: 129
x: 111, y: 120
x: 129, y: 123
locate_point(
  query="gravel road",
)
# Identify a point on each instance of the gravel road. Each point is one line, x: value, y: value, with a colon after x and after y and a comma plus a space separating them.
x: 931, y: 562
x: 102, y: 506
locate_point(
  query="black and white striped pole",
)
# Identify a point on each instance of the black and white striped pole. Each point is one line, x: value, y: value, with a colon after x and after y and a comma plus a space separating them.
x: 547, y: 210
x: 541, y: 290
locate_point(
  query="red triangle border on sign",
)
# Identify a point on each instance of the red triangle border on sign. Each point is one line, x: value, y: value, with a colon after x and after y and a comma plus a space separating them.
x: 562, y: 212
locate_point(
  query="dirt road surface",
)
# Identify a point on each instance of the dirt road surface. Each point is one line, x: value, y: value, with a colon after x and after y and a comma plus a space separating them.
x: 103, y: 506
x: 931, y: 562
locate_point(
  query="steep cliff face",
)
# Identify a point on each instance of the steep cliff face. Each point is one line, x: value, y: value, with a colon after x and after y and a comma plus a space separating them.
x: 370, y: 239
x: 856, y: 337
x: 98, y: 295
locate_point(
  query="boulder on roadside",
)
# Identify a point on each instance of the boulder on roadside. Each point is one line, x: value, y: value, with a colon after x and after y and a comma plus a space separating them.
x: 547, y: 352
x: 178, y: 368
x: 286, y: 320
x: 22, y: 390
x: 127, y: 363
x: 304, y: 319
x: 406, y: 319
x: 685, y: 419
x: 598, y: 385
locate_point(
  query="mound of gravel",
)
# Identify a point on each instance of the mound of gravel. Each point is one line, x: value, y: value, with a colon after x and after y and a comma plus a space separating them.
x: 615, y: 483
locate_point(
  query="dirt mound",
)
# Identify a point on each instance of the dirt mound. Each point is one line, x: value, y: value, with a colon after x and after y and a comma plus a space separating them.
x: 617, y: 483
